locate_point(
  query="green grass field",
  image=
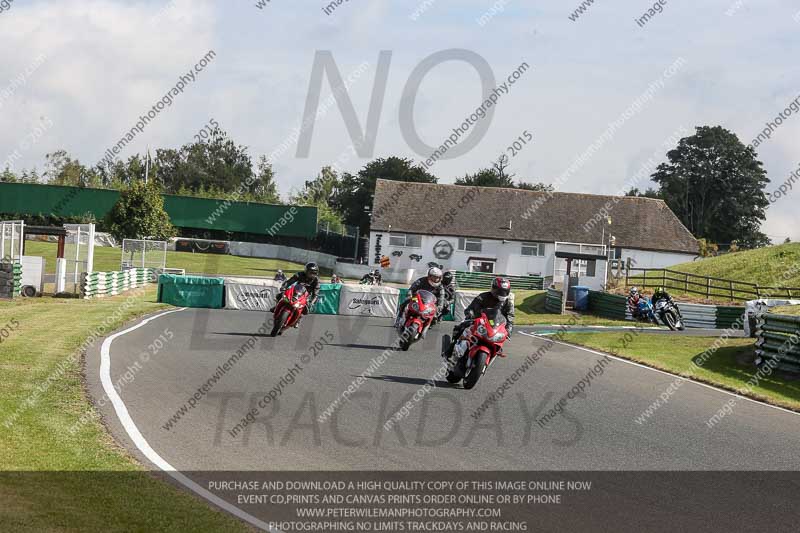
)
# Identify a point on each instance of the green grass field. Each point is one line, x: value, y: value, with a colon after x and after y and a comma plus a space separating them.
x: 108, y: 259
x: 793, y: 310
x: 51, y: 477
x: 772, y: 266
x: 730, y: 367
x: 530, y: 311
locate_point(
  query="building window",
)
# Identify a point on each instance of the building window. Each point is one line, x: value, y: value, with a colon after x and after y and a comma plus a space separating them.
x: 406, y: 241
x: 535, y: 249
x: 466, y: 244
x: 617, y: 253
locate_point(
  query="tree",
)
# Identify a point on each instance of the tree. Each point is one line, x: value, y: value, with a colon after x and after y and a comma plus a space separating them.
x: 217, y: 163
x: 355, y: 192
x: 265, y: 190
x: 539, y: 186
x: 649, y: 193
x: 320, y: 192
x: 139, y: 213
x: 787, y: 241
x: 8, y: 176
x: 715, y: 185
x: 490, y: 177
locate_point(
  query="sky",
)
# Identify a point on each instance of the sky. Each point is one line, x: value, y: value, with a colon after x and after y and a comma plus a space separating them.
x: 78, y: 74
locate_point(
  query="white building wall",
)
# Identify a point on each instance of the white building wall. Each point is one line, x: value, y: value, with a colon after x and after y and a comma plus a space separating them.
x: 508, y: 255
x: 650, y: 259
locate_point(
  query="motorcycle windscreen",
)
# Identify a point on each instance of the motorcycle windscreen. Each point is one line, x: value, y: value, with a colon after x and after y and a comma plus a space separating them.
x: 427, y: 297
x: 299, y: 290
x: 495, y: 317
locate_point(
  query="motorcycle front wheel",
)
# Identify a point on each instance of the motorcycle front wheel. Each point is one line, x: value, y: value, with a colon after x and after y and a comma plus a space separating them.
x: 408, y: 337
x: 277, y: 327
x: 471, y: 379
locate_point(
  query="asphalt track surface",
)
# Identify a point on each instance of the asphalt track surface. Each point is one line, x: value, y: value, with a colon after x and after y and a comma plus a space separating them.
x: 597, y: 430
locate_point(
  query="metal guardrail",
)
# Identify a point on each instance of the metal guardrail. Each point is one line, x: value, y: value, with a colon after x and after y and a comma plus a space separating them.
x: 483, y: 280
x: 778, y: 341
x: 98, y: 284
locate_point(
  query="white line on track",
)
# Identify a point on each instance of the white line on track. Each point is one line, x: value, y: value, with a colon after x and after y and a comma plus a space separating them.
x: 729, y: 393
x: 141, y: 443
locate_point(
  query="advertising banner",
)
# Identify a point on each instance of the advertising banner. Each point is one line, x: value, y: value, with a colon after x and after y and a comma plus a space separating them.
x: 250, y: 294
x: 362, y: 300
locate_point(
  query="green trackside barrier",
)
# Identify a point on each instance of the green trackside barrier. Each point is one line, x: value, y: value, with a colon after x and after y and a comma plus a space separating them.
x: 191, y: 291
x: 778, y: 342
x: 552, y: 302
x: 449, y: 317
x: 611, y: 306
x: 328, y: 302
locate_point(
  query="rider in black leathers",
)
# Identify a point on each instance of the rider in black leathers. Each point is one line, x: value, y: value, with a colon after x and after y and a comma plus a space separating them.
x: 431, y: 283
x: 449, y: 288
x: 308, y: 278
x: 498, y: 297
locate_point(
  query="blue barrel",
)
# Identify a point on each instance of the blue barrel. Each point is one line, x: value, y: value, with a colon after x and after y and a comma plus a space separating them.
x: 581, y: 298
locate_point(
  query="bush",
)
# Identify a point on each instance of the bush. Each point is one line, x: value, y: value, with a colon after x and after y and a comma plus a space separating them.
x: 139, y: 213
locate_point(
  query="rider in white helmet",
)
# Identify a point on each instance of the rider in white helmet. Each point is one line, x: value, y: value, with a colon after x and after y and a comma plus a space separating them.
x: 432, y: 283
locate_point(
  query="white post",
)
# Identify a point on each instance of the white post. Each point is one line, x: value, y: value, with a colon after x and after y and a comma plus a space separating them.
x: 61, y: 274
x: 90, y: 251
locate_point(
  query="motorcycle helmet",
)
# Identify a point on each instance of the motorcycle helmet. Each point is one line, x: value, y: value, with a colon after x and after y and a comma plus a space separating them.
x: 659, y: 293
x: 447, y: 278
x: 312, y: 270
x: 376, y: 272
x: 501, y: 288
x: 280, y: 272
x: 434, y: 277
x: 634, y: 292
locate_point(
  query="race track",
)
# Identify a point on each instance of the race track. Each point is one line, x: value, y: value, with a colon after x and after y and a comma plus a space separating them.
x: 597, y: 430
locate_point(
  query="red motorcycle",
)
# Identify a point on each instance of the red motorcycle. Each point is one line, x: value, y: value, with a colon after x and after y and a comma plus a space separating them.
x: 479, y: 346
x: 419, y: 315
x: 289, y: 309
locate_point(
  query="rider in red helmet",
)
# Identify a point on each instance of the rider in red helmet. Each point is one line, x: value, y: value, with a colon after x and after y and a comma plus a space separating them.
x: 496, y: 298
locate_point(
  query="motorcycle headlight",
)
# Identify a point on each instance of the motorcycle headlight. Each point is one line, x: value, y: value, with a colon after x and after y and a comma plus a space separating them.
x: 415, y: 307
x: 497, y: 337
x: 428, y: 311
x: 482, y: 331
x: 297, y: 305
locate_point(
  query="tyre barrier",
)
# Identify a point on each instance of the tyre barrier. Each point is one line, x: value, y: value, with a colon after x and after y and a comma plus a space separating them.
x: 552, y: 301
x: 778, y: 342
x: 99, y: 284
x: 615, y: 306
x: 10, y: 279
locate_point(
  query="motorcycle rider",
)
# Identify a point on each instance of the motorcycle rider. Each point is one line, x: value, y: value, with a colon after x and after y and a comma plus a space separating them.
x: 335, y: 279
x: 449, y: 288
x: 497, y: 297
x: 309, y: 278
x: 280, y: 276
x: 372, y: 278
x: 432, y: 283
x: 660, y: 294
x: 633, y: 301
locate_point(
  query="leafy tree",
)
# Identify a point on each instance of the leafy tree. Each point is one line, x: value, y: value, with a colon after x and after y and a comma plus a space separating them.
x: 649, y: 193
x: 490, y: 177
x: 355, y: 192
x: 217, y: 163
x: 539, y: 186
x: 139, y: 213
x: 265, y: 190
x: 8, y: 176
x: 320, y: 192
x: 61, y: 169
x: 715, y: 185
x: 787, y: 241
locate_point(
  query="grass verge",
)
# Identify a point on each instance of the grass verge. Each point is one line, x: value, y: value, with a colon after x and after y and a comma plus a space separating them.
x: 57, y: 474
x: 108, y: 259
x: 530, y: 311
x: 730, y: 367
